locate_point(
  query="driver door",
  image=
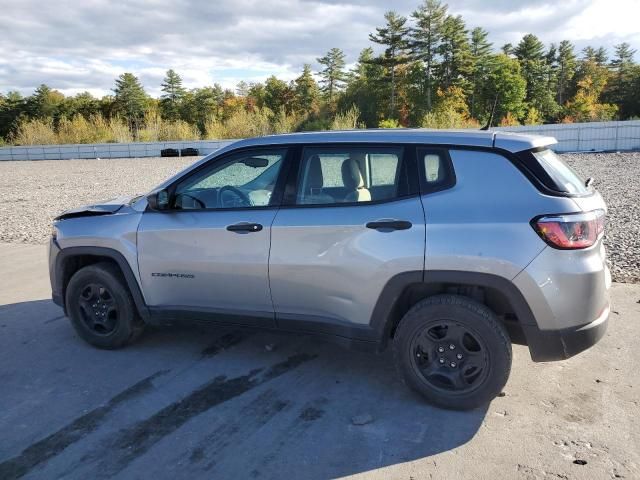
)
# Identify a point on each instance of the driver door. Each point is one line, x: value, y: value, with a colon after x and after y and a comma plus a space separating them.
x: 208, y: 253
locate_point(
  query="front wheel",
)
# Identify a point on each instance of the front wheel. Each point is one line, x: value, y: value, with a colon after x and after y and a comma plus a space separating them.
x: 453, y: 351
x: 101, y: 308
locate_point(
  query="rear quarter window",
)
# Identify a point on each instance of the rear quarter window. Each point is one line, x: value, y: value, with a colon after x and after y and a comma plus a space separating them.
x: 563, y: 176
x: 436, y: 169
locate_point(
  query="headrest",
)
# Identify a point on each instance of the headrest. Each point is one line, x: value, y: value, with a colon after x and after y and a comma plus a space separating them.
x: 351, y: 175
x: 314, y: 173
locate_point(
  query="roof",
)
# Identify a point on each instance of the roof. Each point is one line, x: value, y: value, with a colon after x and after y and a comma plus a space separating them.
x: 512, y: 142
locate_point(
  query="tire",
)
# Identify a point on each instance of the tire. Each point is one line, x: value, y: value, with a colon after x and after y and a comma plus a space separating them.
x: 453, y: 351
x: 101, y: 308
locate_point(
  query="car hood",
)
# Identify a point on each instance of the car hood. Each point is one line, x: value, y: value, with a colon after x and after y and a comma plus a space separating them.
x: 107, y: 207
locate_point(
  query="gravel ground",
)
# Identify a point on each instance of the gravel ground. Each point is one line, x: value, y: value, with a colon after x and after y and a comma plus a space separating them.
x: 617, y: 178
x: 32, y: 193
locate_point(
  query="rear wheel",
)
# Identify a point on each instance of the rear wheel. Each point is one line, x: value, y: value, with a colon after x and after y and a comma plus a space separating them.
x: 453, y: 351
x: 101, y: 308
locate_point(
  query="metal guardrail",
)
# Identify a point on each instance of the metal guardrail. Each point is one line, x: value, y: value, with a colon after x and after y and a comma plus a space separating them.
x: 105, y: 150
x: 572, y: 137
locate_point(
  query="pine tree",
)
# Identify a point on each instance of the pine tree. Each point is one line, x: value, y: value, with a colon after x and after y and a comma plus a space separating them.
x: 456, y: 61
x: 306, y: 91
x: 425, y: 39
x: 481, y: 58
x: 44, y: 103
x: 172, y: 95
x: 365, y: 89
x: 623, y: 56
x: 598, y: 56
x: 12, y: 107
x: 601, y: 56
x: 535, y: 69
x: 394, y: 36
x: 620, y: 90
x: 130, y: 99
x: 242, y: 88
x: 551, y: 59
x: 566, y: 61
x: 333, y: 74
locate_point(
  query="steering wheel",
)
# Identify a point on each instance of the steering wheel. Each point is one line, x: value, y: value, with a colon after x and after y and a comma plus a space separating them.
x: 244, y: 200
x: 199, y: 203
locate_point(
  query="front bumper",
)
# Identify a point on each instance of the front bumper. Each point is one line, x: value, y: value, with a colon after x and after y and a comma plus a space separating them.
x: 550, y: 345
x: 56, y: 288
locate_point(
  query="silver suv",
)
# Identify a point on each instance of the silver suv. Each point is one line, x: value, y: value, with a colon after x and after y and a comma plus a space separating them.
x: 447, y: 245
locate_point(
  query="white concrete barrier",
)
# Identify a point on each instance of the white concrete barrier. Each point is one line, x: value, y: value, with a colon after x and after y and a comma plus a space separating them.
x: 572, y: 137
x: 106, y: 150
x: 588, y: 137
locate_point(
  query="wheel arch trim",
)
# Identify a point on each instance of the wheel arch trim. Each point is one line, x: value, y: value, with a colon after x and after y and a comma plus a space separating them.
x: 67, y: 254
x: 383, y: 318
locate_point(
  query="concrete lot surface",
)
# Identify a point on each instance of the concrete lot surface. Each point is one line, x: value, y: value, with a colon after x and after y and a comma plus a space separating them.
x: 227, y: 403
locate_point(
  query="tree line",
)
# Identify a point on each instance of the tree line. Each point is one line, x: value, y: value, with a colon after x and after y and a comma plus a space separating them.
x: 432, y: 71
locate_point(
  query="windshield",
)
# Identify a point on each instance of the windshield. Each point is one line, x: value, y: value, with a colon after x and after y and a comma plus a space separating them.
x: 560, y: 172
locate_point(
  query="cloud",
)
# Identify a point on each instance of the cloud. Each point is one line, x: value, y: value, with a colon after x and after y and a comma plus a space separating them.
x: 75, y: 46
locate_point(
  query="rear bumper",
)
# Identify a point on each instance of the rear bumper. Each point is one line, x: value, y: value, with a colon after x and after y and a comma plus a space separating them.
x: 550, y: 345
x: 568, y: 293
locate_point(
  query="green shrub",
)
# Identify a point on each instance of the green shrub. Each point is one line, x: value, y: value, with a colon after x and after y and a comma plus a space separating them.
x: 35, y: 132
x: 119, y: 131
x: 315, y: 124
x: 389, y: 123
x: 151, y: 130
x: 76, y: 130
x: 284, y: 123
x: 178, y: 130
x: 242, y: 124
x: 347, y: 120
x: 533, y: 117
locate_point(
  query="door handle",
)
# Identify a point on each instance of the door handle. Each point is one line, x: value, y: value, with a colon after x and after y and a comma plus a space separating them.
x: 389, y: 225
x: 244, y: 227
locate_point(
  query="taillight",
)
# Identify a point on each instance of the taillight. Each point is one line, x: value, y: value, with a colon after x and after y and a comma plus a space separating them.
x: 572, y: 230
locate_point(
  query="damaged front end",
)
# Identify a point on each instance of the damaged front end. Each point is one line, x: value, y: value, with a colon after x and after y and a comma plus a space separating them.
x: 108, y: 207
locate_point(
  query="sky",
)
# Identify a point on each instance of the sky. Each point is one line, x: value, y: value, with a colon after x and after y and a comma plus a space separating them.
x: 83, y: 45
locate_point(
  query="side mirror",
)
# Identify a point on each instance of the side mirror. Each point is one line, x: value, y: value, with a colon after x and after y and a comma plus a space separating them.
x: 158, y: 200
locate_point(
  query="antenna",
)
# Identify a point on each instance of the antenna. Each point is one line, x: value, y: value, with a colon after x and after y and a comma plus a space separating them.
x: 493, y: 111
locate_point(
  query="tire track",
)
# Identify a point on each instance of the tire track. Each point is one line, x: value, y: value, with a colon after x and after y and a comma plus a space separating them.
x: 224, y: 342
x: 130, y: 443
x: 250, y: 418
x: 54, y: 444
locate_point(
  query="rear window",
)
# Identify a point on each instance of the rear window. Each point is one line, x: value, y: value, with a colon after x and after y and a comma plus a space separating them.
x: 565, y: 179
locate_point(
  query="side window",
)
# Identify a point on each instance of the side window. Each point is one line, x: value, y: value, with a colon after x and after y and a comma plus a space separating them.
x: 436, y: 169
x: 384, y: 169
x: 351, y: 174
x: 242, y: 180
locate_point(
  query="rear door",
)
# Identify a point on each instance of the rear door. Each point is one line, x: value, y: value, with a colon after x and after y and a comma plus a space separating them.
x: 351, y: 221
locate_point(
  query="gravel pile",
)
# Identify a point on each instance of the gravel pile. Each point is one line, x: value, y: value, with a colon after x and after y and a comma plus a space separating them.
x: 32, y: 193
